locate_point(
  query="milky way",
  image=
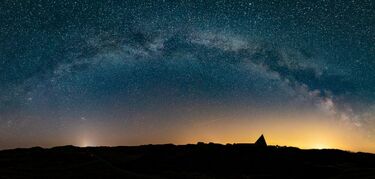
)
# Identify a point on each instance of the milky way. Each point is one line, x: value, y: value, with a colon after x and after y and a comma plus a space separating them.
x: 72, y: 69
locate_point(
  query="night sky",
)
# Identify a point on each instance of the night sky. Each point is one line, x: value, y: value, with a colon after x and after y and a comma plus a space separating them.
x: 108, y: 72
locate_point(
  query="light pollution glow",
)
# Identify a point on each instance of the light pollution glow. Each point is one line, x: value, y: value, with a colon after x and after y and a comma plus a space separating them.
x: 289, y: 130
x: 314, y: 131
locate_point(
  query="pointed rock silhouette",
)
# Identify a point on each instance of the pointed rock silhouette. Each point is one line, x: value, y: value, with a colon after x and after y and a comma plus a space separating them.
x: 261, y: 141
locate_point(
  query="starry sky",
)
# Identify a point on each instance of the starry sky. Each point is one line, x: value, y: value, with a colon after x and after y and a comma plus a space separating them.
x: 134, y: 72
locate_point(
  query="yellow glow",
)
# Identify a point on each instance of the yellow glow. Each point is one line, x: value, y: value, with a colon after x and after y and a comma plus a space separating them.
x: 306, y: 133
x: 321, y: 146
x: 86, y: 140
x: 86, y: 144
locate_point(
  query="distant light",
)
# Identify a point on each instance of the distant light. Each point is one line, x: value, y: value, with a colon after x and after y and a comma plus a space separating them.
x: 86, y: 143
x: 320, y: 146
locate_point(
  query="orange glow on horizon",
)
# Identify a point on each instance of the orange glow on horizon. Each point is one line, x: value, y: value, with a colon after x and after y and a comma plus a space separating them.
x: 309, y: 133
x: 313, y: 132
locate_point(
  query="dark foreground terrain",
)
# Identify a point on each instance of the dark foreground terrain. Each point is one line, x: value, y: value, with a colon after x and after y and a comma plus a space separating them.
x: 184, y: 161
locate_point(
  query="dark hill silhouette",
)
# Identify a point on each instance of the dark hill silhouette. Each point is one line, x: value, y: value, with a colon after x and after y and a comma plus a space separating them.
x: 185, y: 161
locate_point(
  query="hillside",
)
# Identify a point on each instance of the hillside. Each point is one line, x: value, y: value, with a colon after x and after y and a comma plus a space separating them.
x: 184, y: 161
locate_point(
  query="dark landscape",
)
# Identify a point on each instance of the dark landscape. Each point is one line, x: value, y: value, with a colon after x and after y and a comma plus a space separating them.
x: 185, y: 161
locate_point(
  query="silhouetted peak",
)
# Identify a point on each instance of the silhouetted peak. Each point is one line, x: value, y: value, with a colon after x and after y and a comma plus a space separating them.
x: 261, y: 141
